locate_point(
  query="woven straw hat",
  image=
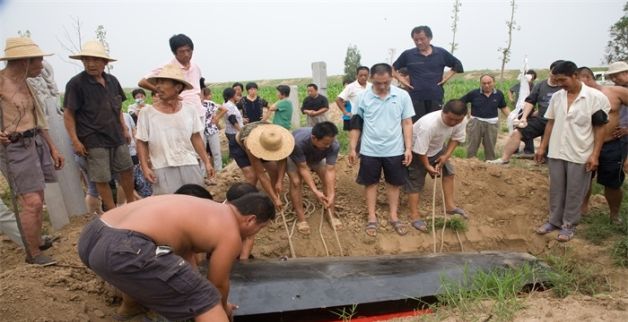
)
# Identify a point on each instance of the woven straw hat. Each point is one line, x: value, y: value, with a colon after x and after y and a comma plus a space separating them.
x: 173, y: 72
x: 617, y: 67
x: 21, y: 47
x: 270, y: 142
x: 92, y: 48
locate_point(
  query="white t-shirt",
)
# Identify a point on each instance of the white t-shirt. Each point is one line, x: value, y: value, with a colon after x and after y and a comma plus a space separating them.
x: 130, y: 124
x: 429, y: 134
x: 169, y: 135
x: 232, y: 109
x: 572, y: 135
x: 351, y: 93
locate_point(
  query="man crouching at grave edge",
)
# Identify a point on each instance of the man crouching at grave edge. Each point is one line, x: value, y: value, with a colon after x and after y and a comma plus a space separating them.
x: 146, y: 250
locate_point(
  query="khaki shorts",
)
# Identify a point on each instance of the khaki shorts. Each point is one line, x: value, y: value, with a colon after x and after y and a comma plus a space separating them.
x: 417, y: 172
x: 29, y: 164
x: 102, y: 162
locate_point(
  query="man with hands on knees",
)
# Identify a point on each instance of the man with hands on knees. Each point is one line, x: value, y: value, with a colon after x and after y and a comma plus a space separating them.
x: 429, y: 134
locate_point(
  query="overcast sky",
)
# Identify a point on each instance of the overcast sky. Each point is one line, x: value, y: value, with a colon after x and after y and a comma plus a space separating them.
x: 250, y: 40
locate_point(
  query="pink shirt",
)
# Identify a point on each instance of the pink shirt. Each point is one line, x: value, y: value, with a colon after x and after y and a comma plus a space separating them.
x: 193, y: 76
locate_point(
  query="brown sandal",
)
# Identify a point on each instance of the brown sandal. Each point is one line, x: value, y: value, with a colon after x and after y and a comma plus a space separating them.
x: 399, y: 227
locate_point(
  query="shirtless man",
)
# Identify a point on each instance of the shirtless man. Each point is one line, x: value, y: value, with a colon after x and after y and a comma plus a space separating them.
x: 146, y: 250
x: 609, y: 173
x: 29, y: 157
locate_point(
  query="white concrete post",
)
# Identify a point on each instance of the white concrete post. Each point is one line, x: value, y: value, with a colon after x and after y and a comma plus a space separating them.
x: 296, y: 106
x: 319, y: 76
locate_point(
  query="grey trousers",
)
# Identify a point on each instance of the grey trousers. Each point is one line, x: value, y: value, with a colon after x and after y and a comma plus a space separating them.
x: 313, y: 120
x: 569, y: 183
x: 481, y: 132
x: 8, y: 224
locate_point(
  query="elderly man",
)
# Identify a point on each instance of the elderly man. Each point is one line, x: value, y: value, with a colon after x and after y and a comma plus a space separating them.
x: 29, y: 157
x: 314, y: 106
x: 95, y: 123
x: 484, y: 124
x: 147, y: 250
x: 429, y: 135
x: 425, y: 64
x: 383, y: 116
x: 574, y: 132
x: 182, y: 48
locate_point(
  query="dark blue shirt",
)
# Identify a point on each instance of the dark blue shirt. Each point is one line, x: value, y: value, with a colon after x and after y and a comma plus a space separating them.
x: 252, y: 110
x: 483, y: 106
x: 427, y: 71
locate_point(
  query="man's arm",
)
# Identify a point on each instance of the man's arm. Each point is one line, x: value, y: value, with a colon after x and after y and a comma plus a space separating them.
x: 70, y: 125
x: 56, y: 156
x: 406, y: 125
x: 598, y: 140
x: 304, y: 171
x: 539, y: 155
x: 330, y: 185
x: 354, y: 135
x: 505, y: 110
x: 260, y: 172
x: 220, y: 264
x: 125, y: 129
x: 341, y: 105
x: 143, y: 83
x: 400, y: 79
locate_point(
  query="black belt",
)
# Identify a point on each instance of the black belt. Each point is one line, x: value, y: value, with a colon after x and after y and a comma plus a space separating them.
x: 16, y: 136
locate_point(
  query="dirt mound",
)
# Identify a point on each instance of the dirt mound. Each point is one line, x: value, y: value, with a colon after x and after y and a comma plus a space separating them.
x: 504, y: 204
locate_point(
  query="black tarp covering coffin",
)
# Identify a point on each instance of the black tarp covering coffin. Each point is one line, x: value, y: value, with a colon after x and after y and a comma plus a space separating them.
x: 267, y: 286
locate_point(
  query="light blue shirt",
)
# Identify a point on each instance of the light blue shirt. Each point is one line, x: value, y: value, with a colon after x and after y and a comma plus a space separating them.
x: 382, y: 134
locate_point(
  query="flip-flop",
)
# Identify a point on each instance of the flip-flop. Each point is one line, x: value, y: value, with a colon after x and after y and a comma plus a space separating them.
x: 546, y: 228
x: 371, y: 228
x: 419, y: 225
x: 399, y: 227
x: 458, y: 211
x: 303, y: 227
x: 565, y: 234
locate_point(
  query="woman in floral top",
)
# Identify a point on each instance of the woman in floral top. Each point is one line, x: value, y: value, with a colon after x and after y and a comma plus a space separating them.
x: 213, y: 114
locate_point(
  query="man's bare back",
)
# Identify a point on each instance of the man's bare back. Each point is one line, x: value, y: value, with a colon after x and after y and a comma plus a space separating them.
x: 186, y: 224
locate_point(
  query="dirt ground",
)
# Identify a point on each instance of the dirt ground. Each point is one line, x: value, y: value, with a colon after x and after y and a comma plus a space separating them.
x: 505, y: 204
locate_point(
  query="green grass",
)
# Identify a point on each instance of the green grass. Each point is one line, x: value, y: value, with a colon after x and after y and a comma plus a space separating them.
x: 570, y: 275
x: 619, y: 252
x: 494, y: 293
x: 346, y: 313
x: 454, y: 224
x: 598, y: 228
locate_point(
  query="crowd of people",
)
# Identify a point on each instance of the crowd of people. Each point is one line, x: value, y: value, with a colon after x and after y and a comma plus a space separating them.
x: 170, y: 149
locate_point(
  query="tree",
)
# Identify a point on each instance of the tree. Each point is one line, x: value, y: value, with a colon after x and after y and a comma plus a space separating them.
x: 101, y: 35
x: 454, y: 24
x: 71, y: 44
x: 512, y: 26
x: 617, y: 48
x: 352, y: 62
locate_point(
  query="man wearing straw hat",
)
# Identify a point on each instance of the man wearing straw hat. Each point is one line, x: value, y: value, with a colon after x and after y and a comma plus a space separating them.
x: 95, y: 123
x: 29, y: 157
x: 169, y: 135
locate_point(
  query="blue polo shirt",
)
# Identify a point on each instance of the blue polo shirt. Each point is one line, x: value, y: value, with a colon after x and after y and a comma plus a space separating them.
x: 482, y: 106
x: 382, y: 134
x: 427, y: 71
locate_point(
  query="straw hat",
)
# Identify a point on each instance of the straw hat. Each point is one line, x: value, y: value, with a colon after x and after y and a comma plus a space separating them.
x: 173, y: 72
x: 93, y: 48
x: 21, y: 47
x: 270, y: 142
x: 617, y: 67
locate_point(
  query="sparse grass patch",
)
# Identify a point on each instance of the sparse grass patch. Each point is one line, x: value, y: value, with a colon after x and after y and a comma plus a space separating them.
x: 620, y: 252
x: 572, y: 275
x: 598, y: 227
x: 493, y: 293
